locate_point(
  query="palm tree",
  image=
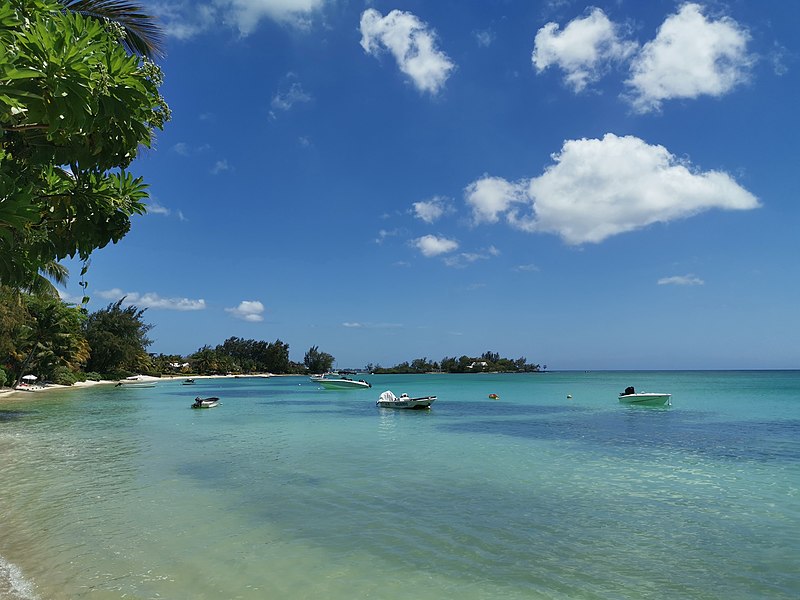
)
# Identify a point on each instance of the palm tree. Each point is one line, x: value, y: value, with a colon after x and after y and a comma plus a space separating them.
x: 143, y: 35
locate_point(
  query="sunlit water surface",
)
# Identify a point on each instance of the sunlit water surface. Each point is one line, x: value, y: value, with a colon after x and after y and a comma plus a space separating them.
x: 289, y: 491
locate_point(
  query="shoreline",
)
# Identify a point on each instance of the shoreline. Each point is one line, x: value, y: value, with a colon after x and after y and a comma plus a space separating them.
x: 8, y: 392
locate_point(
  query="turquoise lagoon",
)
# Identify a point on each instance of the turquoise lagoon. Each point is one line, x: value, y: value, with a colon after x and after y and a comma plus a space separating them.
x: 287, y: 491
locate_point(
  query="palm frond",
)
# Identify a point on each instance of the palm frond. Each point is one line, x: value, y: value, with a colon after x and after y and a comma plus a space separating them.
x: 144, y: 36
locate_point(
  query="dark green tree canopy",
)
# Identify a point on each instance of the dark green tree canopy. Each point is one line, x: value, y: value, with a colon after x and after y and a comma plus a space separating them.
x: 316, y: 361
x: 118, y: 339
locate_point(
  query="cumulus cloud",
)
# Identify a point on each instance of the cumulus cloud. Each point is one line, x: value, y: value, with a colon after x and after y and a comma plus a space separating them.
x: 431, y: 210
x: 411, y: 43
x: 153, y: 300
x: 431, y: 245
x: 681, y: 280
x: 598, y: 188
x: 690, y: 56
x: 584, y: 50
x: 248, y: 310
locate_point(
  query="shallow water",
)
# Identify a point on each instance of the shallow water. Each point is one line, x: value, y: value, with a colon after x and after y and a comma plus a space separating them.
x: 289, y: 491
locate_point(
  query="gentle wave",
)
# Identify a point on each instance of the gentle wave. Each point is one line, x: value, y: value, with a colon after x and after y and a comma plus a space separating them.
x: 13, y: 585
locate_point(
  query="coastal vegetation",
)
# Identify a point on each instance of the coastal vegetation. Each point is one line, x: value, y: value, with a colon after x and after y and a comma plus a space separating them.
x: 488, y: 362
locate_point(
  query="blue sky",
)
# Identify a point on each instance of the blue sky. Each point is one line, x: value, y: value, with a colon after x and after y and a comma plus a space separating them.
x: 591, y: 186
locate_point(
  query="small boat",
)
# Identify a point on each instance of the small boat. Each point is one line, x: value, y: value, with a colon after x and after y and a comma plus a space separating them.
x: 631, y: 396
x: 342, y: 383
x: 189, y: 382
x: 138, y: 381
x: 389, y: 400
x: 205, y: 402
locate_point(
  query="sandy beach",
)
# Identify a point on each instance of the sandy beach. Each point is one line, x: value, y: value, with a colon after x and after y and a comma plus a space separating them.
x: 6, y: 392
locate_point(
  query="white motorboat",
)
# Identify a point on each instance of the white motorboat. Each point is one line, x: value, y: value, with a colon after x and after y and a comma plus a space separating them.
x: 138, y: 381
x: 388, y: 400
x: 205, y: 402
x: 342, y: 383
x: 631, y: 396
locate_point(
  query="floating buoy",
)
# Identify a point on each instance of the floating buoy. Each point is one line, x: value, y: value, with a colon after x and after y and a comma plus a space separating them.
x: 494, y: 396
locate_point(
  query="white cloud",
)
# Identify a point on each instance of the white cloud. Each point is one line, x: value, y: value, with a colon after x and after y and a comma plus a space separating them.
x: 599, y: 188
x: 431, y: 245
x: 690, y: 56
x: 183, y: 19
x: 464, y: 259
x: 529, y: 268
x: 411, y: 43
x: 358, y: 325
x: 220, y: 166
x: 248, y: 310
x: 153, y: 300
x: 484, y: 38
x: 156, y: 209
x: 491, y: 196
x: 584, y: 50
x: 286, y: 99
x: 431, y: 210
x: 681, y: 280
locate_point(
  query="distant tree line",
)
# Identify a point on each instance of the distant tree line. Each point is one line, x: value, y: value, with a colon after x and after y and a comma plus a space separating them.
x: 488, y: 362
x: 59, y: 342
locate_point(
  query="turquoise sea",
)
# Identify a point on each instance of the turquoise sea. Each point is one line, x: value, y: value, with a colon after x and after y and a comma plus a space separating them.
x: 287, y: 491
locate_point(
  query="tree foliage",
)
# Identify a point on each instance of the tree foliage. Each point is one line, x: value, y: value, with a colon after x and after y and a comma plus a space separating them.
x: 74, y: 110
x: 40, y: 335
x: 118, y: 339
x: 485, y: 363
x: 316, y: 361
x: 237, y: 355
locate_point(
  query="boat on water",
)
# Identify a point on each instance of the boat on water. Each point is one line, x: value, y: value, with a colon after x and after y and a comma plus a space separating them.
x: 138, y: 381
x: 205, y: 402
x: 388, y: 400
x: 342, y: 383
x: 321, y: 376
x: 631, y: 396
x: 189, y: 382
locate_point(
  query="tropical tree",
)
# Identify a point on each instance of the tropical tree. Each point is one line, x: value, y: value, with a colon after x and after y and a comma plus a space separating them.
x: 118, y: 339
x: 316, y: 361
x: 74, y: 110
x: 142, y: 36
x: 52, y: 337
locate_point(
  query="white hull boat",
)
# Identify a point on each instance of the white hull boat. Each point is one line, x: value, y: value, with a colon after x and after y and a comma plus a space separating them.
x: 646, y: 399
x: 389, y: 400
x: 138, y: 381
x: 343, y: 383
x: 205, y: 402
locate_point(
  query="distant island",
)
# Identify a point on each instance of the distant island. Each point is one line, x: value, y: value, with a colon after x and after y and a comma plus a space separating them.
x: 488, y: 362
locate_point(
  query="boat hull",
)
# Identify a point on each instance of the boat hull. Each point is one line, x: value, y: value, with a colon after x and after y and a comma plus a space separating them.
x: 205, y: 402
x: 646, y: 399
x: 408, y: 403
x: 343, y: 384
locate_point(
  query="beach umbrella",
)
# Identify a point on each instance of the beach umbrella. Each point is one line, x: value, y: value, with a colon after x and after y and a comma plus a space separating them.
x: 30, y: 377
